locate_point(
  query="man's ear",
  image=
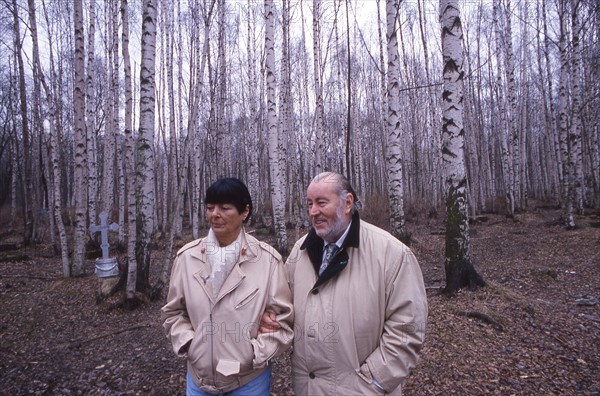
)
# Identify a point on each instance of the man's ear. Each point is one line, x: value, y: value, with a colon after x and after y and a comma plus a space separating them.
x: 349, y: 202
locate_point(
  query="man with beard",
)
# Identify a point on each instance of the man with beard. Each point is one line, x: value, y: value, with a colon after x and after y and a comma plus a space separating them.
x: 359, y: 299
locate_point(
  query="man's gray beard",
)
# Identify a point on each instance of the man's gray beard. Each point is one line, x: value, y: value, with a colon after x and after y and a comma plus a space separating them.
x: 333, y: 233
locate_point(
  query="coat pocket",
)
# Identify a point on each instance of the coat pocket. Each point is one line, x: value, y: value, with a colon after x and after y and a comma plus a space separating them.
x: 245, y: 300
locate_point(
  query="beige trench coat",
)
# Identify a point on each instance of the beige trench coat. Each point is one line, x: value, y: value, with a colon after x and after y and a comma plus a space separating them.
x: 364, y: 318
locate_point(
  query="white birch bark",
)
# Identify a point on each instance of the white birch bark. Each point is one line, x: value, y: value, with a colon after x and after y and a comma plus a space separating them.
x: 319, y: 105
x: 193, y: 119
x: 79, y: 141
x: 26, y: 137
x: 514, y: 139
x: 53, y: 143
x: 524, y: 65
x: 458, y: 265
x: 37, y: 129
x: 174, y: 218
x: 432, y: 124
x: 550, y: 170
x: 567, y: 184
x: 393, y: 128
x: 253, y: 181
x: 90, y: 103
x: 555, y: 132
x: 222, y: 158
x: 507, y: 162
x: 277, y: 178
x: 130, y: 227
x: 145, y: 191
x: 182, y: 181
x: 119, y: 182
x: 109, y: 147
x: 285, y: 101
x: 576, y: 130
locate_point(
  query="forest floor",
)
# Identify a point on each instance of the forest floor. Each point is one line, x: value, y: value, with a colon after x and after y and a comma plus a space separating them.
x: 533, y: 330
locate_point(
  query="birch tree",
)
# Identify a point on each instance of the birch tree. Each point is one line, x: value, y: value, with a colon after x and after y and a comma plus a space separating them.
x: 576, y: 130
x: 112, y: 121
x: 459, y: 268
x: 53, y: 148
x: 394, y: 133
x: 90, y: 103
x: 318, y: 81
x: 567, y: 171
x: 511, y: 92
x: 27, y: 212
x: 129, y: 160
x: 79, y: 141
x: 507, y: 162
x: 276, y: 173
x: 253, y: 179
x: 145, y: 191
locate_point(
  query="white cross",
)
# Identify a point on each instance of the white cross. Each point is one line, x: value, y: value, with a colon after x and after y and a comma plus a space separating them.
x: 104, y: 229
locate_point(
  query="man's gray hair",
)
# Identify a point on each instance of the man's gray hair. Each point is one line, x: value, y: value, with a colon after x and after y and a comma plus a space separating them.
x: 342, y: 185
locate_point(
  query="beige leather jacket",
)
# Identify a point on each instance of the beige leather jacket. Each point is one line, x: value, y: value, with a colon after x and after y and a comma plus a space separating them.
x: 364, y: 318
x: 219, y: 335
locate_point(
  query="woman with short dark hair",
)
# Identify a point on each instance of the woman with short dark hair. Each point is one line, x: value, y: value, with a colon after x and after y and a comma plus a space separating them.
x: 220, y: 286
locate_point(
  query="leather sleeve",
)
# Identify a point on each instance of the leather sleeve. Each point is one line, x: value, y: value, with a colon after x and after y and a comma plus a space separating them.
x: 279, y: 300
x: 174, y: 316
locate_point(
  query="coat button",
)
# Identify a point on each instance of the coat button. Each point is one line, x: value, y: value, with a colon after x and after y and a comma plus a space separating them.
x: 316, y: 291
x: 311, y: 375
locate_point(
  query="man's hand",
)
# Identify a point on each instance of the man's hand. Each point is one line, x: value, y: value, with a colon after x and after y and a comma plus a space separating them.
x: 269, y: 323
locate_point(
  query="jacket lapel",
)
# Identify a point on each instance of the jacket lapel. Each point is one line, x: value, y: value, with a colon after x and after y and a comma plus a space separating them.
x: 314, y: 248
x: 202, y: 275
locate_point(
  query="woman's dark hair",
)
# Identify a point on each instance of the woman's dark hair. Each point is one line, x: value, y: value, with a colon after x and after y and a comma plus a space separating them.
x: 231, y: 191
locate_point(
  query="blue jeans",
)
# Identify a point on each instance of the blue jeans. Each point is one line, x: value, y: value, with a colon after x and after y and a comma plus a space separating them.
x: 259, y: 386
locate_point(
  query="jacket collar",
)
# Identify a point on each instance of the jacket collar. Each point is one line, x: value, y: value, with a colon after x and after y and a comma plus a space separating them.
x: 250, y: 248
x: 249, y: 251
x: 313, y: 244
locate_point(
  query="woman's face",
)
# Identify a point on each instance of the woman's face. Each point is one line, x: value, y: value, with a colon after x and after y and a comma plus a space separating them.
x: 225, y: 221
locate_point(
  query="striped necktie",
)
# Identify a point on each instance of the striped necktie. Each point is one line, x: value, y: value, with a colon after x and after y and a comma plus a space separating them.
x: 330, y: 251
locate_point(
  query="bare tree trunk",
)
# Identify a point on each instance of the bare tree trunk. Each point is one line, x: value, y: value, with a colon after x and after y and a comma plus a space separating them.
x: 567, y: 190
x: 253, y: 180
x: 53, y: 146
x: 524, y: 64
x: 432, y: 123
x: 285, y: 103
x: 503, y: 136
x: 276, y: 173
x: 110, y: 130
x: 575, y: 132
x: 129, y: 162
x: 90, y: 103
x: 145, y: 190
x: 28, y: 220
x: 394, y: 143
x: 80, y: 142
x: 319, y: 106
x: 550, y: 171
x: 514, y: 140
x: 460, y: 271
